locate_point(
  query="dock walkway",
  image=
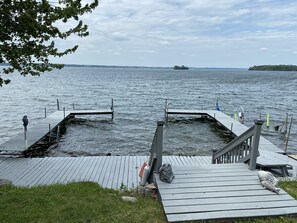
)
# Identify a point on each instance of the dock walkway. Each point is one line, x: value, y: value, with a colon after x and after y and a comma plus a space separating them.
x: 229, y: 123
x: 37, y: 131
x: 270, y: 155
x: 108, y: 171
x: 220, y: 191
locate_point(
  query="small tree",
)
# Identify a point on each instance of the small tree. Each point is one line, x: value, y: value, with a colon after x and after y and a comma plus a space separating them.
x: 29, y: 29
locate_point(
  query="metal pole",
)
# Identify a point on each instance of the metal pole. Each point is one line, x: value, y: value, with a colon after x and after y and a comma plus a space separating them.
x: 286, y: 122
x: 288, y: 135
x: 49, y: 132
x: 44, y: 112
x: 58, y: 133
x: 255, y: 148
x: 159, y: 145
x: 25, y: 124
x: 58, y: 105
x: 112, y: 114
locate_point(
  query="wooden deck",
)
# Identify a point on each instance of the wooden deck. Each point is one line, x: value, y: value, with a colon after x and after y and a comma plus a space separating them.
x: 221, y: 191
x: 108, y: 171
x: 37, y: 131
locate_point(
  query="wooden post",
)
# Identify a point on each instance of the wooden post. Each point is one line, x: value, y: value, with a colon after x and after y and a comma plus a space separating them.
x: 58, y: 105
x: 159, y: 145
x: 255, y: 148
x: 64, y: 112
x: 44, y: 112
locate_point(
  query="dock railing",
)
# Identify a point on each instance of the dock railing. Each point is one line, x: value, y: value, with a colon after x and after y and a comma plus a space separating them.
x: 156, y: 150
x: 245, y: 148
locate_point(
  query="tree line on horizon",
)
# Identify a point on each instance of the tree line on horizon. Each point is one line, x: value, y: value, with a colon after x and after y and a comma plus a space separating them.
x: 280, y: 67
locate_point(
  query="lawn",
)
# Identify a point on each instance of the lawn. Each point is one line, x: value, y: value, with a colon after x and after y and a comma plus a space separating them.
x: 88, y: 202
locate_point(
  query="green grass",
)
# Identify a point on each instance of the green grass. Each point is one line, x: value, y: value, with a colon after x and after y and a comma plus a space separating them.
x: 88, y: 202
x: 75, y: 202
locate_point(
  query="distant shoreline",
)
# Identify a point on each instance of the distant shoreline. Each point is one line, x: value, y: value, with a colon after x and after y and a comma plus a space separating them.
x: 274, y: 68
x: 142, y: 67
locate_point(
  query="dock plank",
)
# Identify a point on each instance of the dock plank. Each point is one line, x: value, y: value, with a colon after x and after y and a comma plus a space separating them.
x: 221, y: 195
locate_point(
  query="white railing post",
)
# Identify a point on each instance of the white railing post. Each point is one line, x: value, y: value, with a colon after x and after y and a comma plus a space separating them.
x: 159, y: 145
x: 255, y: 146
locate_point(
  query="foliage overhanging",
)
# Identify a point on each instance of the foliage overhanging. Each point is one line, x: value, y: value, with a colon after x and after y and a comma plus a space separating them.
x: 29, y: 29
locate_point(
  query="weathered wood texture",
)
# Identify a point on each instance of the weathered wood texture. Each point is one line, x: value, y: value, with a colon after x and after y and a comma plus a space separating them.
x: 220, y: 191
x: 36, y: 131
x: 108, y: 171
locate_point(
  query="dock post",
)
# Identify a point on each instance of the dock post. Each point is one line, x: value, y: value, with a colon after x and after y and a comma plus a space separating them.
x: 58, y: 105
x: 49, y: 132
x: 165, y: 110
x: 58, y: 133
x: 286, y: 122
x: 255, y: 148
x: 64, y: 112
x: 44, y: 112
x: 112, y: 111
x: 25, y: 124
x: 159, y: 145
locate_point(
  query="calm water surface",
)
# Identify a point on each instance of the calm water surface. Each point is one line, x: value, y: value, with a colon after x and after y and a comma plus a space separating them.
x: 139, y: 96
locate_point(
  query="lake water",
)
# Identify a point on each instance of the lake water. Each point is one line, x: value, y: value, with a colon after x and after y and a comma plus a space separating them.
x: 139, y: 97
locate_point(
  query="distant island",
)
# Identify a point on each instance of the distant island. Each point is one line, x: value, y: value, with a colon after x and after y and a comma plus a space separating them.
x: 274, y: 68
x: 180, y: 67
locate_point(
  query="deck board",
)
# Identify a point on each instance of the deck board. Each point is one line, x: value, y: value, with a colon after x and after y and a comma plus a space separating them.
x: 220, y: 191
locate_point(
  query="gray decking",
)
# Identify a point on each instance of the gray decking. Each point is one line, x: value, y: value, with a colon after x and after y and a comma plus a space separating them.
x: 108, y: 171
x: 37, y: 131
x: 221, y: 191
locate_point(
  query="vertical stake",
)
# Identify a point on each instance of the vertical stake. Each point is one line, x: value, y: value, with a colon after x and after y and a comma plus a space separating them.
x: 49, y: 132
x: 58, y: 105
x: 45, y: 112
x: 112, y: 110
x: 58, y: 133
x: 64, y: 112
x: 159, y: 145
x: 255, y: 147
x: 287, y: 138
x: 73, y: 106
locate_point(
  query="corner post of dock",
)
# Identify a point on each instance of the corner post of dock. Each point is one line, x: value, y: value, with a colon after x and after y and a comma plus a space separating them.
x: 159, y: 145
x: 112, y: 110
x: 255, y: 148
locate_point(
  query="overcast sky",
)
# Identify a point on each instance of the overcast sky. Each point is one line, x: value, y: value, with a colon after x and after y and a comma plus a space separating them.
x: 196, y: 33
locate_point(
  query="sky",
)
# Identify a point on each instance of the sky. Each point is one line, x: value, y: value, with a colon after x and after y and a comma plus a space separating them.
x: 196, y: 33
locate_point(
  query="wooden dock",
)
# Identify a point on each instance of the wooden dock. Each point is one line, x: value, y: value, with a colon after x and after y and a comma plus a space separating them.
x: 227, y: 122
x: 271, y: 156
x: 108, y: 171
x: 39, y: 130
x: 221, y: 191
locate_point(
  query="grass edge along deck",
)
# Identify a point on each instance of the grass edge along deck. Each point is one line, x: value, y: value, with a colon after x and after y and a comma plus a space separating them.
x: 209, y: 194
x: 39, y: 130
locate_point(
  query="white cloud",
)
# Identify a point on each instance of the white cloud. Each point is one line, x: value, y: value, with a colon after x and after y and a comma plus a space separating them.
x: 169, y: 28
